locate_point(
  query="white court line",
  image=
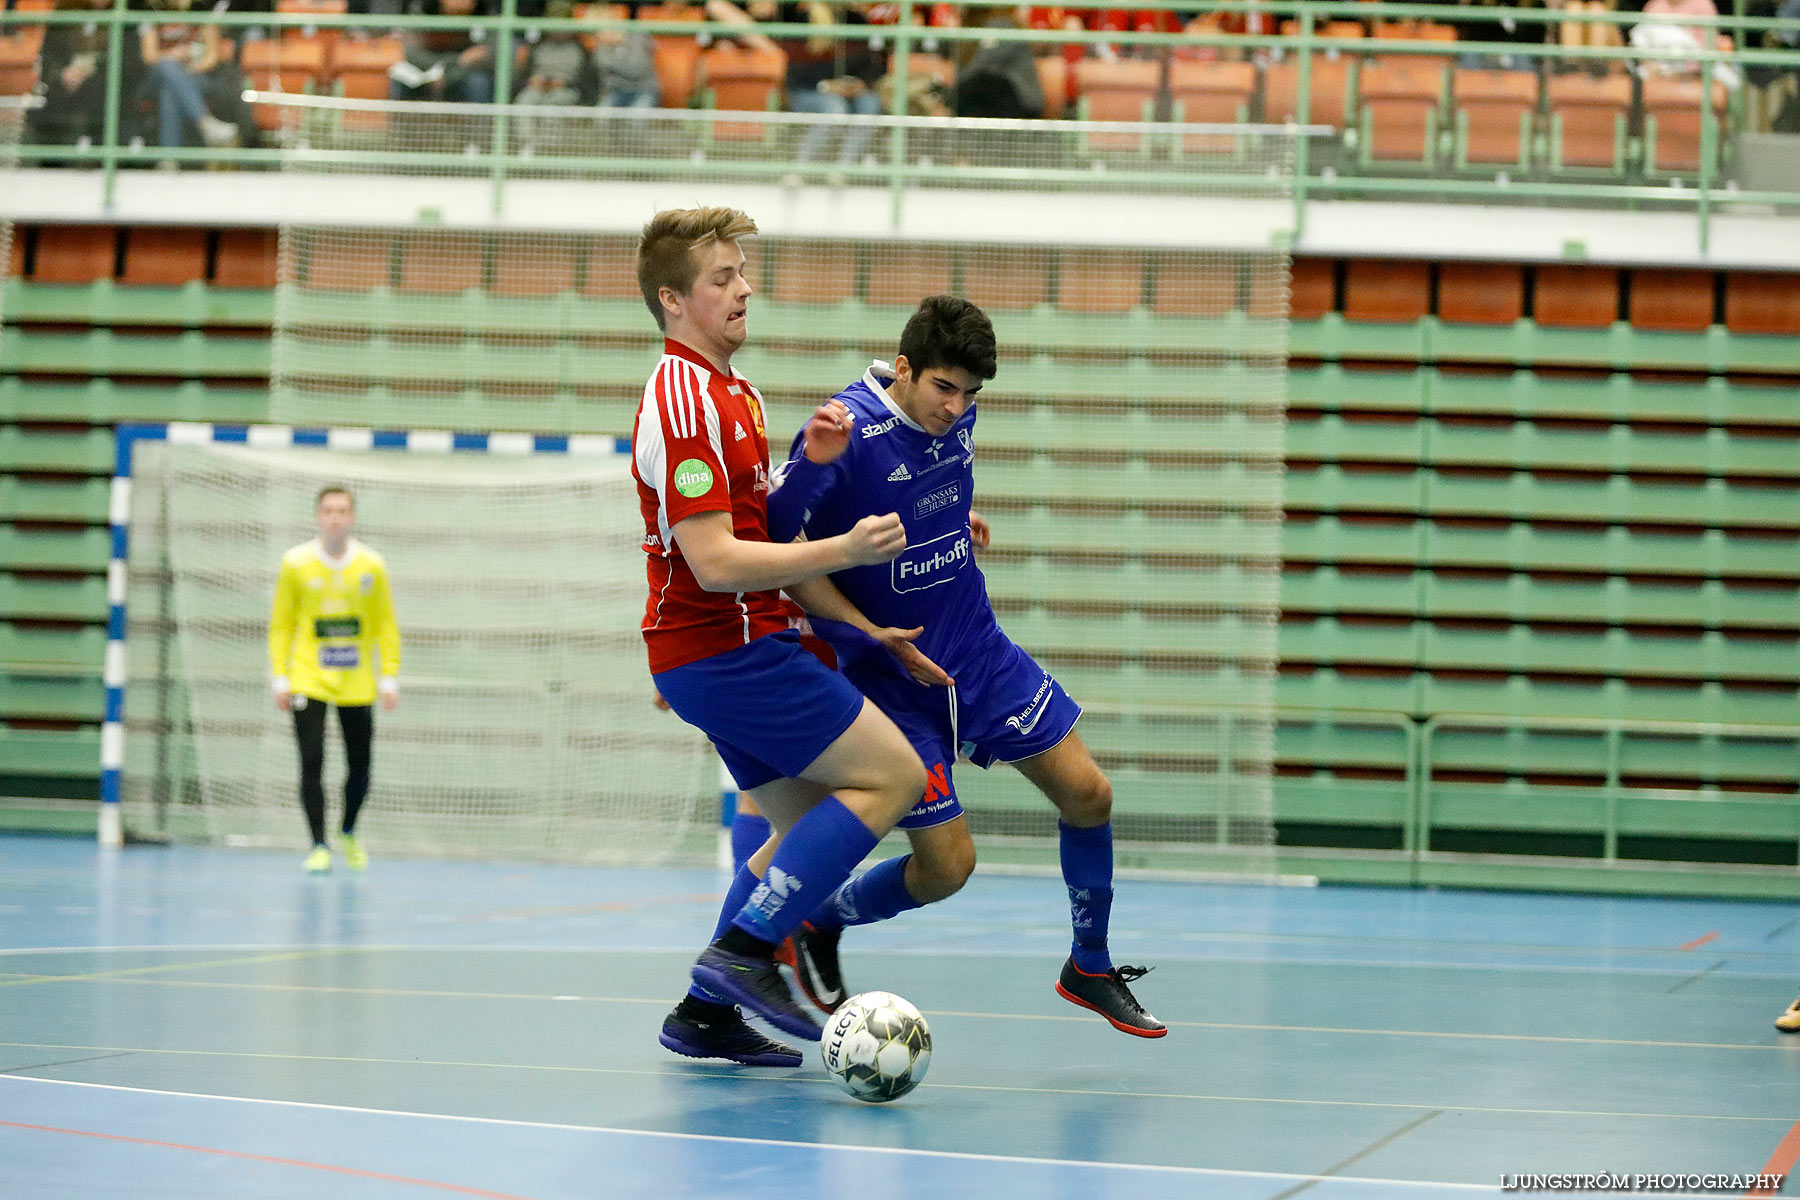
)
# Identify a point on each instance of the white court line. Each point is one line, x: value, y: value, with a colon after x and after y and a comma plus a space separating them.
x: 1672, y: 972
x: 821, y: 1147
x: 722, y: 1073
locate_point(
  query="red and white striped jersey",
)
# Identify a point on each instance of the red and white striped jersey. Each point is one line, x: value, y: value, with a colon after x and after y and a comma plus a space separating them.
x: 699, y: 445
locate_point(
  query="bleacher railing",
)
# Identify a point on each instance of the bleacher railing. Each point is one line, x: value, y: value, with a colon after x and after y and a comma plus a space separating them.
x: 1335, y: 168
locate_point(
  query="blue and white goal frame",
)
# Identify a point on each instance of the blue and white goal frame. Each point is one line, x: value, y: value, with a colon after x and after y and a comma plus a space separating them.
x: 273, y: 437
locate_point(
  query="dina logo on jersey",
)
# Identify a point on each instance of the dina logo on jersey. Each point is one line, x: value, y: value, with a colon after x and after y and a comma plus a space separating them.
x: 693, y: 478
x: 931, y: 563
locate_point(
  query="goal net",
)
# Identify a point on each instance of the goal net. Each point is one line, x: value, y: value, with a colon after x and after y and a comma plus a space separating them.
x: 1130, y: 448
x: 524, y: 728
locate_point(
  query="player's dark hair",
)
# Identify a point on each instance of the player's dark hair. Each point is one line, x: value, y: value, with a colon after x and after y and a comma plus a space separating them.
x: 666, y: 257
x: 333, y: 489
x: 948, y: 331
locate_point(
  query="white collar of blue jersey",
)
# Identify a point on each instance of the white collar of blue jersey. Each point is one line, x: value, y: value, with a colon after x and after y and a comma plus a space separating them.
x: 876, y: 378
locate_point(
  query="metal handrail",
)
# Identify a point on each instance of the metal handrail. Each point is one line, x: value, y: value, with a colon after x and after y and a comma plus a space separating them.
x: 509, y: 27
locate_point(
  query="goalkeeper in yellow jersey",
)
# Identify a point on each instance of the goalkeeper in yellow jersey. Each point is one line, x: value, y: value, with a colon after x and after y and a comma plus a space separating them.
x: 332, y: 625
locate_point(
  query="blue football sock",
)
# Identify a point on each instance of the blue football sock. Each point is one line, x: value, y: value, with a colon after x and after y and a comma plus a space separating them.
x: 748, y: 832
x: 875, y: 895
x: 1087, y: 867
x: 811, y: 863
x: 742, y: 884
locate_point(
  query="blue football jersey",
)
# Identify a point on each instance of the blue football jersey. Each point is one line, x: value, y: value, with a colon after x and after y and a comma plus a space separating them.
x: 893, y: 466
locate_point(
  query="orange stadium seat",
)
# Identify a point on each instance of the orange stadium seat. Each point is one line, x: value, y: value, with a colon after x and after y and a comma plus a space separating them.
x: 1383, y: 290
x: 677, y: 55
x: 1195, y: 285
x: 18, y: 60
x: 905, y: 274
x: 534, y: 265
x: 292, y: 63
x: 1005, y: 278
x: 1100, y: 281
x: 1671, y: 301
x: 246, y: 258
x: 440, y: 262
x: 1672, y: 122
x: 361, y: 72
x: 350, y: 263
x: 1399, y: 112
x: 745, y: 79
x: 75, y: 253
x: 611, y: 269
x: 1212, y: 93
x: 1331, y: 80
x: 1761, y: 302
x: 164, y: 256
x: 1313, y: 291
x: 812, y: 272
x: 1494, y: 112
x: 15, y: 260
x: 1588, y: 120
x: 1576, y: 297
x: 1118, y: 90
x: 1481, y: 293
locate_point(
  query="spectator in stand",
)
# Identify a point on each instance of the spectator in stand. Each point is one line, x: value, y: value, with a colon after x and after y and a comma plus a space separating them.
x: 72, y: 79
x: 1493, y: 21
x: 445, y: 64
x: 1585, y: 33
x: 826, y: 75
x: 193, y: 85
x: 558, y: 72
x: 1000, y: 79
x: 626, y: 66
x: 1656, y: 35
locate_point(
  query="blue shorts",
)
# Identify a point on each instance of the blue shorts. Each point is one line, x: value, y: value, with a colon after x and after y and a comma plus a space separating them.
x: 770, y: 707
x: 1003, y: 708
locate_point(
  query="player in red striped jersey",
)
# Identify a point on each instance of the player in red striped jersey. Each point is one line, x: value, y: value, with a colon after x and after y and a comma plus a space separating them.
x: 827, y: 768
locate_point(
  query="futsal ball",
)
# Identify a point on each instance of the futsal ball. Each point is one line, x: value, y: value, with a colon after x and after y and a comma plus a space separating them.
x: 877, y: 1046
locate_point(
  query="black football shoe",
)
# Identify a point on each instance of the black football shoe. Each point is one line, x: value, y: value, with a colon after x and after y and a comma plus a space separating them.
x: 755, y: 983
x: 1110, y: 996
x: 694, y: 1034
x: 816, y: 967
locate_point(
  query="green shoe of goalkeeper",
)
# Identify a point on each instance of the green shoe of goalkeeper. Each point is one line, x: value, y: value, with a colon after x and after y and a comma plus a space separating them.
x: 355, y: 857
x: 319, y: 861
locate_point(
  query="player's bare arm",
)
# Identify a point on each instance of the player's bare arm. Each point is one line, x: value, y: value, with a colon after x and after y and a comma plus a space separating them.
x: 979, y: 530
x: 821, y: 598
x: 722, y: 563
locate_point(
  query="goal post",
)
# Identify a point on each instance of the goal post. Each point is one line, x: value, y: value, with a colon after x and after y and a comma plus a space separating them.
x: 525, y: 727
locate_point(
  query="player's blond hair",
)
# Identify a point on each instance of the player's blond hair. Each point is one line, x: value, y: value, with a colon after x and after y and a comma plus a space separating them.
x: 666, y: 251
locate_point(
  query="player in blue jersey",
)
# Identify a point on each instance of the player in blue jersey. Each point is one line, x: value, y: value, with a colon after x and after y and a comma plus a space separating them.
x: 912, y: 452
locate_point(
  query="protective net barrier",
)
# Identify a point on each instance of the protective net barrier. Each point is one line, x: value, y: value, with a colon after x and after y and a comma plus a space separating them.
x: 525, y: 726
x: 1130, y: 447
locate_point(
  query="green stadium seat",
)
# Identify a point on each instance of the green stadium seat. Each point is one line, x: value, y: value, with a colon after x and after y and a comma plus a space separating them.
x: 190, y: 354
x: 50, y: 754
x: 86, y: 452
x: 38, y: 548
x: 52, y: 597
x: 102, y: 402
x: 53, y: 499
x: 50, y: 697
x: 30, y: 645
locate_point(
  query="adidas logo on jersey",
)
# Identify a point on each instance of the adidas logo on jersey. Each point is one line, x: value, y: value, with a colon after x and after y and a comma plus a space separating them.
x: 900, y: 472
x: 741, y: 435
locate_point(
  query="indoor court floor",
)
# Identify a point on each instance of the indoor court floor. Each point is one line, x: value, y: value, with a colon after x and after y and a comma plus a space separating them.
x: 194, y: 1023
